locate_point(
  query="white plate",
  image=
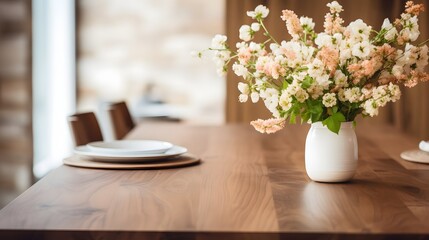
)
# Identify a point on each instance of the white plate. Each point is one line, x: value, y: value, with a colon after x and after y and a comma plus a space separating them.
x: 424, y: 146
x: 416, y: 156
x: 130, y: 146
x: 129, y: 158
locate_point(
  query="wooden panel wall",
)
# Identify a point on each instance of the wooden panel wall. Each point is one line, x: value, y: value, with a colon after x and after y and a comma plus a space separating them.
x: 15, y: 99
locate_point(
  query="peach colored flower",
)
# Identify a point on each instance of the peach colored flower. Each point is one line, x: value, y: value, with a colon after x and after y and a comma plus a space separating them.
x: 271, y: 125
x: 292, y: 23
x: 414, y: 9
x: 333, y: 24
x: 289, y: 54
x: 330, y: 57
x: 244, y: 55
x: 415, y: 78
x: 386, y: 51
x: 356, y: 71
x: 386, y: 80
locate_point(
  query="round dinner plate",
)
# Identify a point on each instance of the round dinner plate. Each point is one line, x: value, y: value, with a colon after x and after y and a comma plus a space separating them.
x: 130, y: 147
x: 179, y: 161
x: 129, y: 158
x: 416, y: 156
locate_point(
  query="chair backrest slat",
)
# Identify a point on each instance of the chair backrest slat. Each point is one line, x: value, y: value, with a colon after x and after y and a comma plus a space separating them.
x: 120, y: 119
x: 85, y: 128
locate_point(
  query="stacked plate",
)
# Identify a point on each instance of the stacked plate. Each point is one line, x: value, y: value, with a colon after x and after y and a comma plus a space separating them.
x: 131, y: 154
x: 129, y: 151
x: 420, y: 155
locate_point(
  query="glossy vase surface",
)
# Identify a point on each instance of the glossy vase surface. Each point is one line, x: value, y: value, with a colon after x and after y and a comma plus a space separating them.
x: 331, y: 157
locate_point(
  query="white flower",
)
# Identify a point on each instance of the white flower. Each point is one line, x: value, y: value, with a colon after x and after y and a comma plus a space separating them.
x: 391, y: 31
x: 397, y: 71
x: 395, y: 92
x: 243, y: 98
x: 301, y: 95
x: 255, y: 47
x: 306, y: 23
x: 271, y: 100
x: 315, y: 91
x: 220, y: 59
x: 335, y: 7
x: 341, y: 95
x: 285, y: 101
x: 323, y: 39
x: 411, y: 30
x: 359, y: 29
x: 340, y: 79
x: 255, y: 27
x: 316, y: 68
x: 352, y: 94
x: 244, y: 88
x: 370, y: 107
x: 345, y: 51
x: 260, y: 12
x: 254, y: 97
x: 329, y: 100
x: 362, y: 49
x: 422, y: 61
x: 294, y: 87
x: 219, y: 42
x: 379, y: 92
x: 323, y: 80
x: 245, y: 33
x: 411, y: 54
x: 240, y: 70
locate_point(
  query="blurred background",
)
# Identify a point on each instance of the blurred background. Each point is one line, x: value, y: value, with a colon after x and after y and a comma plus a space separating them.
x: 58, y: 57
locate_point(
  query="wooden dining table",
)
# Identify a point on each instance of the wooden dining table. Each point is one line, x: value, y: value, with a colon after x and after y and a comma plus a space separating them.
x: 247, y: 186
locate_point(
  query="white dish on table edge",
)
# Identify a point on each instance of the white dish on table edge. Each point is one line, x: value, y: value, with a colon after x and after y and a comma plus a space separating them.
x: 129, y: 158
x: 130, y: 147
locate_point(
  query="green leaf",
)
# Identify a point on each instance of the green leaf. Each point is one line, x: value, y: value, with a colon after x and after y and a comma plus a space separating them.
x: 306, y: 83
x: 338, y: 116
x: 285, y: 84
x: 334, y: 121
x: 331, y: 124
x: 306, y: 116
x: 292, y: 118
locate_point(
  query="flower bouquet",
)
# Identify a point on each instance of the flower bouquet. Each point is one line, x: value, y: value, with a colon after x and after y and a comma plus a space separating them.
x: 329, y: 77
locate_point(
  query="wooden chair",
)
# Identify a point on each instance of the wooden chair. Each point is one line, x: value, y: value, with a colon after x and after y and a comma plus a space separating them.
x: 84, y: 128
x: 120, y: 119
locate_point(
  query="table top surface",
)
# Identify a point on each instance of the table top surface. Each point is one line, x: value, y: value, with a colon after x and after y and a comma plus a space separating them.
x: 247, y: 185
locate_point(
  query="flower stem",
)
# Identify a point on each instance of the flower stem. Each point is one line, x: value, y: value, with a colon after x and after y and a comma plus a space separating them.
x: 266, y: 32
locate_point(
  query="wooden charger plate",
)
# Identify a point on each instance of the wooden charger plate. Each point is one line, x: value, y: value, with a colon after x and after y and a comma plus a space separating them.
x: 416, y: 156
x: 86, y: 162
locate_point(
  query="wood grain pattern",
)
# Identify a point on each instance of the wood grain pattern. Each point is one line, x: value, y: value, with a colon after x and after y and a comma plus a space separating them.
x: 249, y: 186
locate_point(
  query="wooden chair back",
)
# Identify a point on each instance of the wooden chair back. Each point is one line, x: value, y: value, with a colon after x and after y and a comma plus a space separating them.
x: 120, y: 119
x: 84, y: 128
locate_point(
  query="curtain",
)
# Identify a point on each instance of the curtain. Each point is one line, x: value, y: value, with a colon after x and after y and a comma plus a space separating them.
x: 410, y: 114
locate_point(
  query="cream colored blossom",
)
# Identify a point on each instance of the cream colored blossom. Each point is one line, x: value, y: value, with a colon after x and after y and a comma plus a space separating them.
x: 335, y: 7
x: 329, y: 100
x: 285, y: 101
x: 260, y: 12
x: 391, y: 30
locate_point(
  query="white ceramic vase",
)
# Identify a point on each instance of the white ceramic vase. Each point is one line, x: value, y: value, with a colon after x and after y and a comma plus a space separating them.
x: 331, y: 157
